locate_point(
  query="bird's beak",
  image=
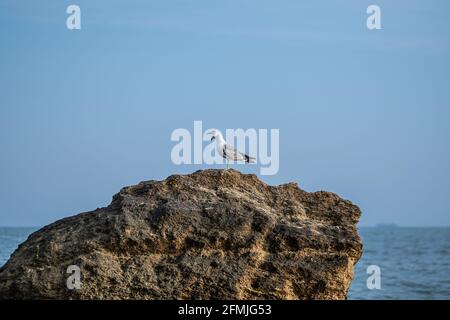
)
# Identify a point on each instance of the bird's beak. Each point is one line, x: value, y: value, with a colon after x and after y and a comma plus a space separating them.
x: 212, y: 138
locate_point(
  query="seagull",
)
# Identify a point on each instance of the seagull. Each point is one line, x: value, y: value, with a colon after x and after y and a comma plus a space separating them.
x: 226, y: 151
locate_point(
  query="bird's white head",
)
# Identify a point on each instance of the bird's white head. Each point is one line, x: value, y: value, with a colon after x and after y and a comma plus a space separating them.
x: 215, y: 134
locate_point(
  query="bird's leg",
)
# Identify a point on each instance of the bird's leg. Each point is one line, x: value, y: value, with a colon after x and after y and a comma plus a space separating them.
x: 227, y: 164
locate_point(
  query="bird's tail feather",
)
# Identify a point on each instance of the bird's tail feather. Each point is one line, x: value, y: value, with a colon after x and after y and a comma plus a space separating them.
x: 249, y: 159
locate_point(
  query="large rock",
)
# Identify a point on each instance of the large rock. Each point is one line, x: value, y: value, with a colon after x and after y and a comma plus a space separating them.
x: 213, y: 234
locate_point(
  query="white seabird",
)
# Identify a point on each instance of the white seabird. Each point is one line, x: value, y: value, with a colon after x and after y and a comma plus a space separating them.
x: 226, y: 151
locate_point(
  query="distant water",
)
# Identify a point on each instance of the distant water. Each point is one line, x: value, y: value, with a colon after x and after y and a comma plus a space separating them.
x: 10, y: 238
x: 414, y: 262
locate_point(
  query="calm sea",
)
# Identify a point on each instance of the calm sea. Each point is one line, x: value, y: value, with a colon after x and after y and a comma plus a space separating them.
x: 414, y: 262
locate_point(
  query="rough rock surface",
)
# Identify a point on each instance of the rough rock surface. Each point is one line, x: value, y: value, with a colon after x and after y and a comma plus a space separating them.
x: 213, y: 234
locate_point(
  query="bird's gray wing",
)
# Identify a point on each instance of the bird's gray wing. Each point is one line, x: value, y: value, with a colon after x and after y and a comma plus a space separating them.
x: 231, y: 153
x: 245, y: 157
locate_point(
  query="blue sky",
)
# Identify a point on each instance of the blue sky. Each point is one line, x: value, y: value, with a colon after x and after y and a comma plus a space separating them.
x: 361, y: 113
